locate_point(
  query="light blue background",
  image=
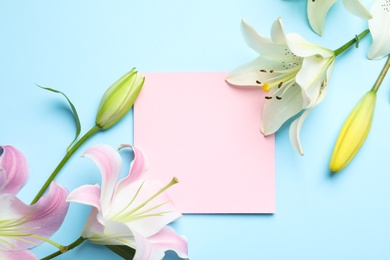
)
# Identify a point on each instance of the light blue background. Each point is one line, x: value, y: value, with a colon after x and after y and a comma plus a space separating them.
x: 81, y: 47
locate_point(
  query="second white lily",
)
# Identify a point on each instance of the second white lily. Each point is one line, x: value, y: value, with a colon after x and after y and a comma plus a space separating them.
x: 294, y: 71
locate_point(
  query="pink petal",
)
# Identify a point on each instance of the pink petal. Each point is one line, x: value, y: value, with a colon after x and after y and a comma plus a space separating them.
x: 43, y: 218
x: 89, y: 195
x: 94, y: 224
x: 17, y: 255
x: 137, y: 168
x: 86, y: 194
x: 110, y: 164
x: 154, y: 247
x: 13, y: 170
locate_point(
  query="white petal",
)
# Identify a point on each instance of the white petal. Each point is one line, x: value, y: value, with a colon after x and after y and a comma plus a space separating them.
x: 311, y: 78
x: 379, y: 27
x: 261, y: 44
x: 303, y: 48
x: 248, y: 74
x: 355, y: 7
x: 295, y: 131
x: 115, y: 233
x: 316, y: 13
x: 276, y: 112
x: 127, y: 206
x: 277, y: 32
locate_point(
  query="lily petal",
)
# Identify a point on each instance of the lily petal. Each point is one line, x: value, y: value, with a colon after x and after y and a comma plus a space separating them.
x: 110, y: 164
x: 263, y: 45
x: 155, y: 246
x: 86, y: 194
x: 94, y: 225
x: 316, y: 13
x: 311, y: 77
x: 115, y: 233
x: 355, y: 7
x: 137, y: 168
x: 249, y: 74
x: 13, y: 170
x: 17, y: 255
x: 42, y: 219
x: 168, y: 239
x: 145, y: 219
x: 303, y: 48
x: 295, y: 131
x: 379, y: 27
x: 276, y: 112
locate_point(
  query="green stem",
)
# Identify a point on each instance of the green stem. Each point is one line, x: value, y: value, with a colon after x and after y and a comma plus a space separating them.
x: 65, y: 248
x: 350, y: 43
x: 71, y: 151
x: 381, y: 75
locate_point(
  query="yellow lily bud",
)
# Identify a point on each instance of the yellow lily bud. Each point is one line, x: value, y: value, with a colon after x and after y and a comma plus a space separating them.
x: 354, y: 132
x: 118, y: 99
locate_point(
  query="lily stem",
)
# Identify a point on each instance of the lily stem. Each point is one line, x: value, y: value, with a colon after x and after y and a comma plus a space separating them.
x: 65, y: 249
x: 350, y: 43
x: 69, y: 153
x: 381, y: 75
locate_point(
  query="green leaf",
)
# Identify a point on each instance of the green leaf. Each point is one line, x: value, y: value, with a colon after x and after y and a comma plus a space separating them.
x: 75, y: 115
x: 123, y: 251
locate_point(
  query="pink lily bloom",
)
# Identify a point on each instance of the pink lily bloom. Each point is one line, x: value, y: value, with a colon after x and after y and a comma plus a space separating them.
x: 133, y: 211
x: 25, y: 226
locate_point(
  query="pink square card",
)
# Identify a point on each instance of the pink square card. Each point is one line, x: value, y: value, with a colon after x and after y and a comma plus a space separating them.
x: 205, y: 132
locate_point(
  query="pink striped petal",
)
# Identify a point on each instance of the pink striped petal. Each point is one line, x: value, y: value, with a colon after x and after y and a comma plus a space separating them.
x: 42, y: 219
x: 154, y: 247
x: 13, y: 170
x: 137, y: 168
x: 86, y: 194
x: 110, y: 163
x: 89, y: 195
x: 94, y: 224
x: 17, y: 255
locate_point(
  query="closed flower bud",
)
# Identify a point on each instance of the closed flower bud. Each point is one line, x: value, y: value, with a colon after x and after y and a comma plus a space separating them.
x: 354, y: 132
x: 118, y: 99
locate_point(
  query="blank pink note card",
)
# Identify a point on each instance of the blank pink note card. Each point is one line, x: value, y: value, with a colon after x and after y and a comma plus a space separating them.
x: 205, y: 132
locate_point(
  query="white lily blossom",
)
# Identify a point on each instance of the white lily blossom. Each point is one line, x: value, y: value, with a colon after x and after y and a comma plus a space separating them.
x: 379, y: 27
x: 292, y: 70
x: 318, y: 9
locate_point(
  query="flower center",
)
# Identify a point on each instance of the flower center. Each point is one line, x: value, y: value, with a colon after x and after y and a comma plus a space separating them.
x: 282, y: 78
x: 140, y: 212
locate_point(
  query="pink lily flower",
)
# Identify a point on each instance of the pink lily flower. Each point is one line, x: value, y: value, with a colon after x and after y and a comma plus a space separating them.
x: 25, y: 226
x: 134, y: 211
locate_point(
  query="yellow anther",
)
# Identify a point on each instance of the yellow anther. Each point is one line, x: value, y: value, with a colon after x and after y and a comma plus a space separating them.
x: 265, y: 87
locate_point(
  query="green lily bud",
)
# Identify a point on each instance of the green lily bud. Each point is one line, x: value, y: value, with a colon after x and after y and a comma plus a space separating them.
x: 118, y: 99
x: 354, y: 132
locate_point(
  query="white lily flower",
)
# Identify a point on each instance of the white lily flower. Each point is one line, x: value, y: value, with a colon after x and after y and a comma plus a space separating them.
x: 379, y: 27
x: 294, y: 71
x: 318, y: 9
